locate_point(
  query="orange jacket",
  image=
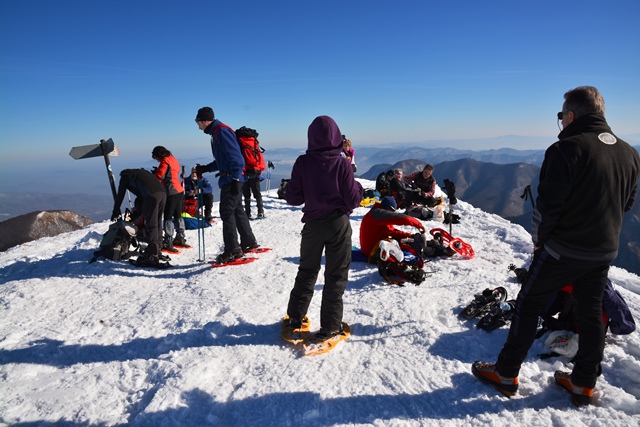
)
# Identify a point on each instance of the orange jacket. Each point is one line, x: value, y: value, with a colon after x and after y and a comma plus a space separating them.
x: 168, y: 173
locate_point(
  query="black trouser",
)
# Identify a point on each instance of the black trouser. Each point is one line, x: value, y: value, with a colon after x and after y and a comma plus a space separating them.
x: 234, y: 220
x: 332, y: 234
x: 252, y: 185
x: 152, y: 212
x: 207, y: 200
x: 419, y: 200
x: 547, y: 276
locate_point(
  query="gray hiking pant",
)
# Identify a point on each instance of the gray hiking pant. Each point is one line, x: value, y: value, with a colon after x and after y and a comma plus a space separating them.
x: 332, y: 234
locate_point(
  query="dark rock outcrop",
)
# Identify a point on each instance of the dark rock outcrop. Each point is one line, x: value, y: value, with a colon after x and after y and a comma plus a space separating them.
x: 38, y: 224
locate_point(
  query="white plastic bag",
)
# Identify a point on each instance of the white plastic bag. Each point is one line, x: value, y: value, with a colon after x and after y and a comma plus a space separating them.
x: 564, y: 343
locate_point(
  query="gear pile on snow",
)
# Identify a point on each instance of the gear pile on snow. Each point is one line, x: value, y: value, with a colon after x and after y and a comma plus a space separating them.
x: 483, y: 302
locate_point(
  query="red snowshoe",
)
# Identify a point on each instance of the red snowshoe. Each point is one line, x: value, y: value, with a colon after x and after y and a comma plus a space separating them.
x: 455, y: 243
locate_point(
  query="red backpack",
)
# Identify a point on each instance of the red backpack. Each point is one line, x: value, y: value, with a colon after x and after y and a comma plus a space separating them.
x: 250, y: 148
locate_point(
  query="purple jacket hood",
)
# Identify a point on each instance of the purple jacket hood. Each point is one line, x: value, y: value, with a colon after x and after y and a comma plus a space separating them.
x: 322, y: 179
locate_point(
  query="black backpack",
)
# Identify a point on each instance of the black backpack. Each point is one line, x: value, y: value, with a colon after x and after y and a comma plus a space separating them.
x: 117, y: 242
x: 283, y: 188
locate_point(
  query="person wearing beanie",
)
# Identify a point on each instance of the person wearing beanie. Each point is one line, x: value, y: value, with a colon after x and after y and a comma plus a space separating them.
x: 229, y: 162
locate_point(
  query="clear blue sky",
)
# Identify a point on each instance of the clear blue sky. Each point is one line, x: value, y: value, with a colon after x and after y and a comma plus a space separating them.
x: 73, y: 72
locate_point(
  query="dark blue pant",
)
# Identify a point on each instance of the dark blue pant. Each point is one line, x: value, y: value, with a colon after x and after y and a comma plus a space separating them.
x: 547, y: 276
x: 234, y: 220
x: 331, y: 234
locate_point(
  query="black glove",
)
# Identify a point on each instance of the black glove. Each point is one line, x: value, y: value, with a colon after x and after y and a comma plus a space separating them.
x: 451, y: 191
x: 200, y: 170
x: 235, y: 188
x: 115, y: 215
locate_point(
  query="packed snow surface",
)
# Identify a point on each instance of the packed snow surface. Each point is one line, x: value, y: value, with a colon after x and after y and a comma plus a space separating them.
x: 111, y: 344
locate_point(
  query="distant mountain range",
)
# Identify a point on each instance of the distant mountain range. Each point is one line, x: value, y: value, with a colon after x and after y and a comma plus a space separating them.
x: 491, y: 180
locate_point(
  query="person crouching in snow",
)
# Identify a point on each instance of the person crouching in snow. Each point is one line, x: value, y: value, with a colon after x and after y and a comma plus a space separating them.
x: 325, y: 184
x: 378, y: 224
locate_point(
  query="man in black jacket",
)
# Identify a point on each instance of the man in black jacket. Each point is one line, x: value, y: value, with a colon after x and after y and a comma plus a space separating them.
x: 147, y: 187
x: 589, y: 178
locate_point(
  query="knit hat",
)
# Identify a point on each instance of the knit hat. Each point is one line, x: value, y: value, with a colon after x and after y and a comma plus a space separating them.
x: 389, y: 203
x: 205, y: 114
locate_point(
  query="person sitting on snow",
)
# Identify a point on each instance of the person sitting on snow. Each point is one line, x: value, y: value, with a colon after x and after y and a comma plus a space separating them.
x: 379, y: 224
x: 191, y: 192
x: 382, y: 182
x: 426, y: 184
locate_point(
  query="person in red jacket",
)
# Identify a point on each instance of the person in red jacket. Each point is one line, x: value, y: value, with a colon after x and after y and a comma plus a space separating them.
x: 168, y: 172
x: 379, y: 222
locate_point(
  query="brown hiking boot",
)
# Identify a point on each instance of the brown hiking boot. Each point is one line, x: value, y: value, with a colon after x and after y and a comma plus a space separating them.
x: 487, y: 373
x: 580, y: 396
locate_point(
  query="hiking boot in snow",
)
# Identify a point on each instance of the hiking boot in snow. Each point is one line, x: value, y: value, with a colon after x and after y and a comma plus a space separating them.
x: 228, y: 257
x: 249, y: 248
x: 147, y: 259
x: 324, y: 333
x: 180, y: 241
x: 486, y: 372
x: 296, y: 323
x: 168, y: 247
x: 580, y: 396
x: 260, y: 215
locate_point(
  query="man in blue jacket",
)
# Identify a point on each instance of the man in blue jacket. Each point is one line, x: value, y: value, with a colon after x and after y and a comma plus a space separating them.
x: 229, y: 162
x: 588, y: 180
x: 324, y: 183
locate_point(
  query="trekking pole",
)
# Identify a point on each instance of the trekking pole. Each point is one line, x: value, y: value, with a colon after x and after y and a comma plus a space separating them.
x: 200, y: 221
x: 269, y: 167
x: 451, y: 191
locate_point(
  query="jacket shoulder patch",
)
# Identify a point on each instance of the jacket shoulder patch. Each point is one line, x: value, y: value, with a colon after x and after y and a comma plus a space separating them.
x: 607, y: 138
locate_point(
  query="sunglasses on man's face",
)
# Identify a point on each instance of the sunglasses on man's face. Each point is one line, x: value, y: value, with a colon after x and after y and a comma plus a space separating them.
x: 560, y: 115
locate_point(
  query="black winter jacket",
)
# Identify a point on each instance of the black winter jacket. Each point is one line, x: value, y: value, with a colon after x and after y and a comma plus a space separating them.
x: 588, y: 179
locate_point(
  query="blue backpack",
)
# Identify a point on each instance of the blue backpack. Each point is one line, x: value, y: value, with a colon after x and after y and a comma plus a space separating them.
x: 620, y: 319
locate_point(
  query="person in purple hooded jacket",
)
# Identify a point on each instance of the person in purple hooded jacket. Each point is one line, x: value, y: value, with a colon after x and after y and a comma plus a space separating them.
x: 325, y: 184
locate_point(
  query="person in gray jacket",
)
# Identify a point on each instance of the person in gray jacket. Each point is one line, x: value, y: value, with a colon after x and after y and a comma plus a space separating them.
x: 588, y: 180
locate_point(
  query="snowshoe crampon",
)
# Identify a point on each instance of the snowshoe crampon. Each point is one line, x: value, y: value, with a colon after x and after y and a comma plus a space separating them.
x: 295, y: 334
x: 498, y: 316
x: 455, y: 243
x: 482, y: 303
x: 318, y: 344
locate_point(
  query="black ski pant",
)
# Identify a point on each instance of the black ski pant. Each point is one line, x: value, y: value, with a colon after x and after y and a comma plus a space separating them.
x: 419, y: 200
x: 207, y: 200
x: 234, y: 219
x: 252, y: 185
x: 547, y: 276
x: 152, y: 212
x: 332, y: 234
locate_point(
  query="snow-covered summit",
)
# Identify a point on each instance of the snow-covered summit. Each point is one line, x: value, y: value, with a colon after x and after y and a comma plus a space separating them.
x: 111, y: 344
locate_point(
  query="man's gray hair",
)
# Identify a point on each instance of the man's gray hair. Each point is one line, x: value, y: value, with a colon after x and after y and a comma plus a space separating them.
x: 584, y: 100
